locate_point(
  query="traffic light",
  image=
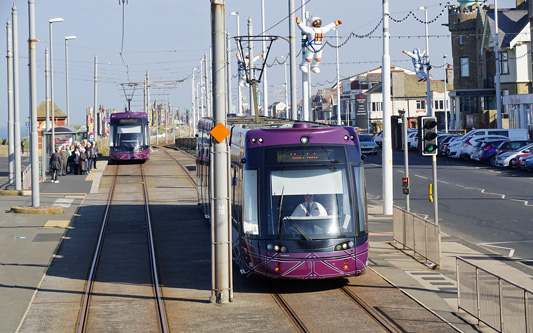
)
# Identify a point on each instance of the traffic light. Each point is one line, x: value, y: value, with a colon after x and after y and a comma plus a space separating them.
x: 405, y: 185
x: 428, y: 139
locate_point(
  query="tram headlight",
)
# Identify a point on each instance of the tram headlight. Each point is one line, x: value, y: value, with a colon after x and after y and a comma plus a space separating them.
x: 254, y: 140
x: 352, y: 137
x: 344, y: 246
x: 346, y: 137
x: 277, y: 248
x: 260, y: 140
x: 304, y: 140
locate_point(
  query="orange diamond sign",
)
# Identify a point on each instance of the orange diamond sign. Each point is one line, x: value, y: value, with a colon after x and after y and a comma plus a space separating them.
x: 219, y: 132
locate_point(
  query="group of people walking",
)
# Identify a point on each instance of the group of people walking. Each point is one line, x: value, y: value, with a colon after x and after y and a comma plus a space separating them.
x: 78, y: 159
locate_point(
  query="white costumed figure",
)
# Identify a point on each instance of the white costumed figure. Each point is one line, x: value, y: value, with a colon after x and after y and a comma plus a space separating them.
x: 243, y: 65
x: 313, y: 46
x: 417, y: 62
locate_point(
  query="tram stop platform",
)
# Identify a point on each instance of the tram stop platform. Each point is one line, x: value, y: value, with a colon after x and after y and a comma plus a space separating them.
x: 30, y: 241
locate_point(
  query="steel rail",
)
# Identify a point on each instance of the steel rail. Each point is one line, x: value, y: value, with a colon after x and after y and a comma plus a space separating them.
x: 377, y: 317
x: 182, y: 168
x: 153, y: 260
x: 293, y: 317
x: 82, y: 320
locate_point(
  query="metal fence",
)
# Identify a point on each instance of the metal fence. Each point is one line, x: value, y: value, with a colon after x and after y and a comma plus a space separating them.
x: 495, y: 301
x: 417, y: 234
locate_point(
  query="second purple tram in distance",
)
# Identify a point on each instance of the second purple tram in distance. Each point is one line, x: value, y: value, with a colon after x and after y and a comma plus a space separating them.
x: 298, y: 198
x: 129, y: 136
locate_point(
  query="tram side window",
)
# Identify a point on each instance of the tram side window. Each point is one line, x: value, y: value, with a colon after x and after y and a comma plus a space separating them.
x: 360, y: 199
x: 146, y: 135
x: 250, y: 219
x: 111, y: 136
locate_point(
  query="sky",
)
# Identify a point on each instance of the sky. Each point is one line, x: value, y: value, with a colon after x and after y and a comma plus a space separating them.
x: 168, y: 38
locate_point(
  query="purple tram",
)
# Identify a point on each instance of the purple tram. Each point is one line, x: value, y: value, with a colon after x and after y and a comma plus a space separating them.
x: 129, y: 136
x: 298, y: 199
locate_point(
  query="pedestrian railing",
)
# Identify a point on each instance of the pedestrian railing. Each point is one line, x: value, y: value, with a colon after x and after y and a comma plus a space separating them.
x: 493, y: 300
x: 26, y: 177
x: 417, y: 234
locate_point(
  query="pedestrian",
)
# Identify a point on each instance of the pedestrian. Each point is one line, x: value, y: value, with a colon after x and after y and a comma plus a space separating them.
x: 4, y: 142
x: 55, y: 165
x: 70, y: 159
x: 22, y: 145
x: 95, y: 151
x: 76, y: 161
x: 89, y: 152
x: 83, y: 161
x: 64, y: 159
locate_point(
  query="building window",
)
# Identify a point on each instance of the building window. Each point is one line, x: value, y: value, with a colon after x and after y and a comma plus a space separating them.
x: 376, y: 106
x: 464, y: 67
x: 460, y: 39
x: 421, y: 105
x: 504, y: 60
x: 439, y: 105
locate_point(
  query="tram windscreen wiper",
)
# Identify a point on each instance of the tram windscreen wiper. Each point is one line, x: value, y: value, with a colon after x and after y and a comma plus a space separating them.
x: 280, y: 224
x: 297, y: 228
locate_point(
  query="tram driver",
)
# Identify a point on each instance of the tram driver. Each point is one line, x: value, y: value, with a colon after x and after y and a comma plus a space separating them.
x: 309, y: 208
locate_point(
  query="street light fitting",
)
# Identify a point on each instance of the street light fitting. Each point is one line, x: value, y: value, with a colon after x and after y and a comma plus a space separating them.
x: 234, y: 13
x: 57, y: 19
x: 70, y: 37
x: 422, y: 8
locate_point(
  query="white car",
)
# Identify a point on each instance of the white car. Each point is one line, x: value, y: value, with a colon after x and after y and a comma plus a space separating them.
x: 378, y: 138
x: 412, y: 139
x: 503, y: 159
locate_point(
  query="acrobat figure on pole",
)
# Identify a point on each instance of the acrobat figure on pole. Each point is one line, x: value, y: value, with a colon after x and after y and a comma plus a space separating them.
x: 243, y: 65
x: 313, y: 45
x: 418, y: 63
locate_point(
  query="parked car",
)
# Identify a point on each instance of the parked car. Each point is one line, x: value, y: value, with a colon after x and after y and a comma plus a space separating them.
x: 516, y: 161
x: 442, y: 138
x: 512, y: 145
x: 378, y: 138
x: 412, y: 140
x: 368, y: 145
x: 503, y: 159
x: 511, y: 133
x: 526, y: 163
x: 477, y: 149
x: 466, y: 145
x: 488, y: 149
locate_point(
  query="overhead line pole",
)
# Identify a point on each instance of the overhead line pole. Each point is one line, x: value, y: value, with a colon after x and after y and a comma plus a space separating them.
x: 35, y: 189
x: 292, y: 53
x: 386, y: 160
x: 220, y: 201
x: 16, y: 104
x: 11, y: 111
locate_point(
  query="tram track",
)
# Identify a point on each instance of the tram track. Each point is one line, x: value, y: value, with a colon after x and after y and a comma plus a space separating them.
x: 104, y: 252
x: 183, y: 168
x: 376, y: 316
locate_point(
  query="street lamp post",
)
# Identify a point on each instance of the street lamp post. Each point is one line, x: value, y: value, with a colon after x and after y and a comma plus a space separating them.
x: 51, y: 21
x: 498, y: 64
x: 239, y: 92
x: 338, y: 80
x: 445, y: 98
x: 66, y: 75
x: 428, y: 82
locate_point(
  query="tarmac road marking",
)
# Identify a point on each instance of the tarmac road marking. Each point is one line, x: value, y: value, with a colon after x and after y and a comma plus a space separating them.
x: 57, y: 224
x: 63, y: 203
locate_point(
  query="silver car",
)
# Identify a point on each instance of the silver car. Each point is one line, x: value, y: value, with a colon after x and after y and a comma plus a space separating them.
x: 368, y: 145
